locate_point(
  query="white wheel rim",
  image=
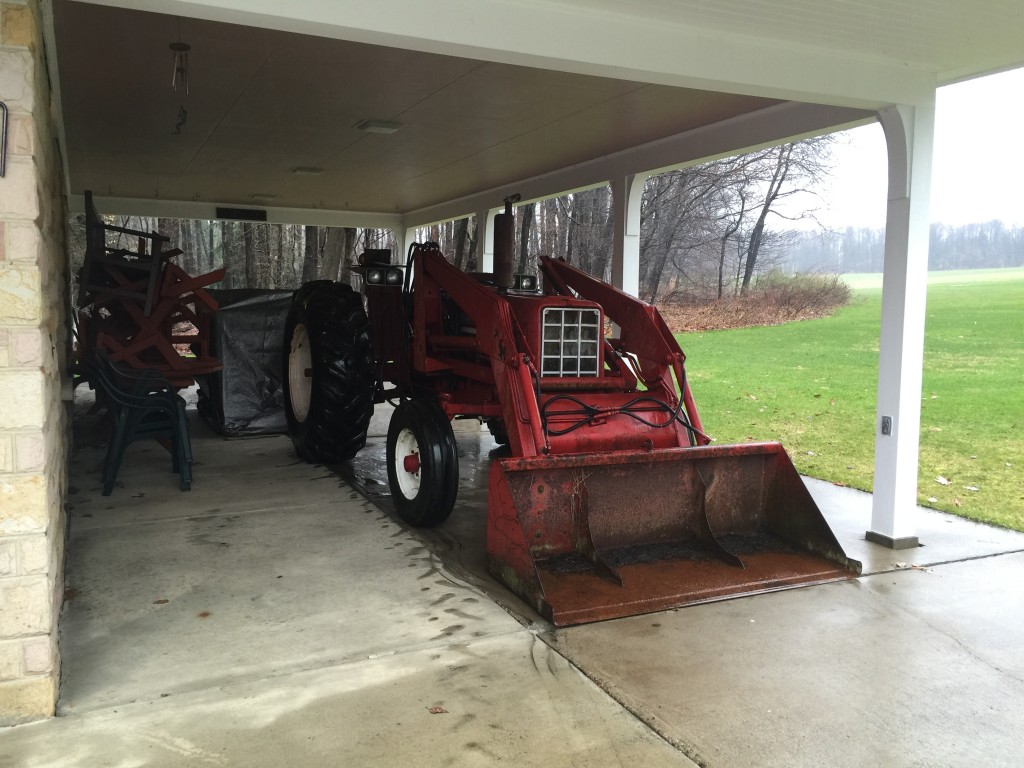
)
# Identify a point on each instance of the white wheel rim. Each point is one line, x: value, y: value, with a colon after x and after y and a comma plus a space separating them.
x: 300, y: 373
x: 406, y: 446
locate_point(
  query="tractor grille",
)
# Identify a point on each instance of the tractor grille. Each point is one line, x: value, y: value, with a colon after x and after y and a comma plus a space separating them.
x: 570, y: 338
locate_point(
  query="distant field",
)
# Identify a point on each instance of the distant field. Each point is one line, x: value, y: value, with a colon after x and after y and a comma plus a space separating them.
x: 873, y: 280
x: 812, y: 385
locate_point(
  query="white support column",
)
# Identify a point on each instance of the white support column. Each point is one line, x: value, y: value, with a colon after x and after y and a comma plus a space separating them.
x: 485, y: 240
x: 909, y: 135
x: 627, y: 193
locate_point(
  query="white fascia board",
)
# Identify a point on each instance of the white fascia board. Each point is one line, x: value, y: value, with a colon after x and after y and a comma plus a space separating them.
x: 788, y: 121
x: 549, y: 36
x: 964, y: 74
x: 186, y: 209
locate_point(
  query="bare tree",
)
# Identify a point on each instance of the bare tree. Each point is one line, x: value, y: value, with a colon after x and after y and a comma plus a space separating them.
x: 733, y: 224
x: 525, y: 224
x: 311, y: 254
x: 792, y: 168
x: 461, y: 232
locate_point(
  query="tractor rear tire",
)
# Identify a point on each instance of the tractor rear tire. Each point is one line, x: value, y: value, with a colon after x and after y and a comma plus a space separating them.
x: 329, y: 372
x: 497, y: 429
x: 423, y: 463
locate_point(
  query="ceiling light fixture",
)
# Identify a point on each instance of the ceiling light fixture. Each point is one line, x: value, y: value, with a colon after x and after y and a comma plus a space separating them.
x: 307, y: 170
x: 378, y: 126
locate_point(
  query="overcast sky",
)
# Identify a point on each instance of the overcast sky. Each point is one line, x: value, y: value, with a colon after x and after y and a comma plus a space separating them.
x: 978, y: 171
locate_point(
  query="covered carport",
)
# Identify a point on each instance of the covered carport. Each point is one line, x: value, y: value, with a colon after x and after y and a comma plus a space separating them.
x: 537, y: 101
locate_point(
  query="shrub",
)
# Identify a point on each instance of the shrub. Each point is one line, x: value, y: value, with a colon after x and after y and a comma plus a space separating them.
x: 802, y: 294
x: 775, y: 298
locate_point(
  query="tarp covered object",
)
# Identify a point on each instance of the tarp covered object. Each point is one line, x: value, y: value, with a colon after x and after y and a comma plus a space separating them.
x: 246, y: 398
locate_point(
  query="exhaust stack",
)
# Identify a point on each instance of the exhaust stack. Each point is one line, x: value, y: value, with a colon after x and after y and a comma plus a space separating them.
x: 504, y: 245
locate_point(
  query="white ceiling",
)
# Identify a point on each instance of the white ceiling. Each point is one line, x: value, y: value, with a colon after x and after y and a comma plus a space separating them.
x: 537, y: 86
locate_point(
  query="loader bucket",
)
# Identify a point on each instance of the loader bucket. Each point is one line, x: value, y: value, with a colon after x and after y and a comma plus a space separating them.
x: 586, y: 537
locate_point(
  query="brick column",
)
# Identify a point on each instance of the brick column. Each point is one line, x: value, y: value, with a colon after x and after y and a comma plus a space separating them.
x: 34, y: 422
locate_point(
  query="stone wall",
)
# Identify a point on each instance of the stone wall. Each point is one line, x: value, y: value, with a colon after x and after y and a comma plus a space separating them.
x: 34, y: 421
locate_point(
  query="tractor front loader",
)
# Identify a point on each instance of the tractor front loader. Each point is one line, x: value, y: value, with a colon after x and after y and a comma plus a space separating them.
x: 612, y: 502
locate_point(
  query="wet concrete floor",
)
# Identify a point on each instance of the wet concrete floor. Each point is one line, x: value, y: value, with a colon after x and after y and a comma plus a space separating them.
x: 279, y: 612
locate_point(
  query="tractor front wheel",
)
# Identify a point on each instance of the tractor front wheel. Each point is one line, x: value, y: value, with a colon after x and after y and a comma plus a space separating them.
x: 423, y: 463
x: 329, y: 375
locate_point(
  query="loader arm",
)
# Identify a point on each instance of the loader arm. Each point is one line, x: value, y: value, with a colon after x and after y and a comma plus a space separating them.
x: 642, y: 328
x: 498, y: 338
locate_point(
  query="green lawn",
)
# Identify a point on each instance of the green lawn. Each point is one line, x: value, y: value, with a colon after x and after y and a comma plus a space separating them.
x: 812, y: 385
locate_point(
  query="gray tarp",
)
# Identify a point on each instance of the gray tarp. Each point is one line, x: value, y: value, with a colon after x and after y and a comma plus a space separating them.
x: 246, y: 398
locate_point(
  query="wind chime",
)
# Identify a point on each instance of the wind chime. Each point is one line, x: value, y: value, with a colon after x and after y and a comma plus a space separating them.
x: 179, y: 77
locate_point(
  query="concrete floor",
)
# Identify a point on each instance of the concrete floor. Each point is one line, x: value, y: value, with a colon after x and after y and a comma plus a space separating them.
x: 279, y: 614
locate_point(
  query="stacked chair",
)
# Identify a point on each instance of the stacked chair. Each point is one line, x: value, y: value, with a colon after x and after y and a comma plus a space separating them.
x: 143, y: 405
x: 144, y: 327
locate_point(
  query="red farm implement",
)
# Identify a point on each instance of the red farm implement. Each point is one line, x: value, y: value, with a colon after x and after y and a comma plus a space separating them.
x: 613, y: 501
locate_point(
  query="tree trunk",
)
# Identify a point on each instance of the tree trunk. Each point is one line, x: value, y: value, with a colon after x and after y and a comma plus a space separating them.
x: 334, y: 250
x: 655, y: 271
x: 730, y: 230
x: 216, y: 243
x: 277, y: 260
x: 249, y: 241
x: 570, y: 230
x: 474, y: 239
x: 349, y: 239
x: 524, y: 239
x: 311, y: 255
x: 757, y: 234
x: 234, y: 256
x: 461, y: 229
x: 606, y: 248
x: 561, y: 244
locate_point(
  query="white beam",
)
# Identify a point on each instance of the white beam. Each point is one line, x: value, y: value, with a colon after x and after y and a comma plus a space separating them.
x: 909, y: 135
x: 485, y: 239
x: 185, y: 209
x: 627, y: 195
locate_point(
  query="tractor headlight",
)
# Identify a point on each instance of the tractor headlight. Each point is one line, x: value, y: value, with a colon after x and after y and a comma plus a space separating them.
x: 385, y: 275
x: 524, y: 282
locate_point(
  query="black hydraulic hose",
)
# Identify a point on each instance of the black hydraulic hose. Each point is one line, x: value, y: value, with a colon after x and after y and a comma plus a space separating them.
x: 683, y: 415
x: 589, y: 413
x: 407, y: 329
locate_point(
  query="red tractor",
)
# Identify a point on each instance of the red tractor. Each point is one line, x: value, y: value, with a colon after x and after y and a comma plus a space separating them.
x: 613, y: 502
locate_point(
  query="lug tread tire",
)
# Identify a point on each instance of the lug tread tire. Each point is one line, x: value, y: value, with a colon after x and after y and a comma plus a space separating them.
x: 343, y: 367
x: 497, y: 429
x: 439, y: 462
